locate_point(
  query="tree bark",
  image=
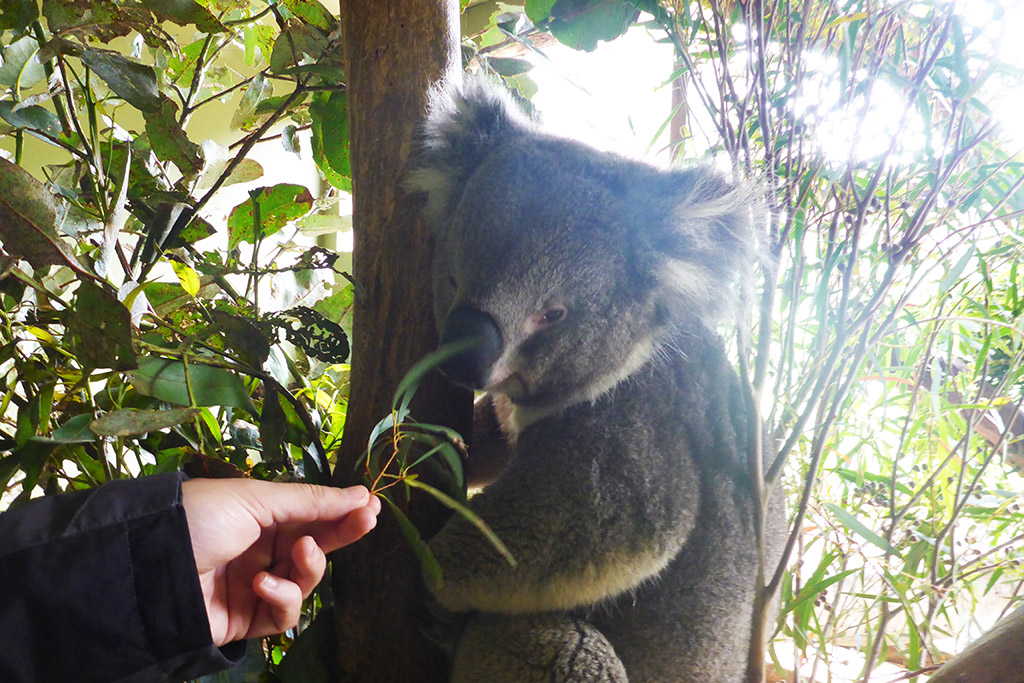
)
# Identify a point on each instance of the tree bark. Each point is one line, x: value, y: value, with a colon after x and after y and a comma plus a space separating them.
x: 996, y: 657
x: 394, y: 51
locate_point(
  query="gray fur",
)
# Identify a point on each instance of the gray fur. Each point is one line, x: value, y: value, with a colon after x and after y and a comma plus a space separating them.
x: 626, y: 500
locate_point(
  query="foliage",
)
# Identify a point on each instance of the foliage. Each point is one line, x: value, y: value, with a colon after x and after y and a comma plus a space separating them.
x: 887, y: 352
x: 147, y: 326
x: 144, y: 329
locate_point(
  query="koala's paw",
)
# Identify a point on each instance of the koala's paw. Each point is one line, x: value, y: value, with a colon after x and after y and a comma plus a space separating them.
x: 538, y: 647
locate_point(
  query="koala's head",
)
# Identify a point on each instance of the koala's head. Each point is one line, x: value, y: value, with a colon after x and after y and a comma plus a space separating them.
x: 570, y: 267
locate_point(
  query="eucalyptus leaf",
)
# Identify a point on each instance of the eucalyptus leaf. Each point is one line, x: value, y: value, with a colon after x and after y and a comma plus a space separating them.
x: 856, y: 526
x: 468, y: 514
x: 169, y: 140
x: 295, y: 46
x: 258, y: 90
x: 330, y: 139
x: 100, y: 329
x: 184, y: 12
x: 17, y: 14
x: 28, y: 213
x: 278, y: 205
x: 75, y: 430
x: 581, y: 24
x: 538, y: 11
x: 211, y: 386
x: 133, y: 82
x: 428, y: 561
x: 21, y: 67
x: 133, y: 422
x: 311, y: 12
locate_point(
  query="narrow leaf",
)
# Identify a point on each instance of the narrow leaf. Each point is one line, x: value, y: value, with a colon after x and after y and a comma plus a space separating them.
x: 470, y: 516
x: 855, y: 525
x: 432, y: 568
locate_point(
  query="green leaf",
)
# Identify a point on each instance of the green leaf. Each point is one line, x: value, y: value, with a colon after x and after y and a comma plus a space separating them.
x: 296, y: 45
x: 407, y: 387
x: 32, y: 117
x: 470, y: 516
x: 169, y: 140
x: 183, y: 12
x: 181, y: 65
x: 814, y: 589
x: 100, y: 329
x: 17, y: 14
x: 90, y: 17
x: 580, y: 24
x: 278, y: 205
x: 133, y: 82
x: 27, y: 218
x: 853, y: 524
x: 330, y: 139
x: 273, y: 425
x: 21, y: 67
x: 258, y: 36
x: 426, y: 557
x: 32, y: 457
x: 245, y: 116
x: 953, y: 274
x: 187, y: 276
x: 329, y: 73
x: 246, y: 171
x: 165, y: 379
x: 311, y: 12
x: 132, y: 422
x: 509, y: 66
x: 338, y: 304
x: 75, y: 430
x: 538, y: 11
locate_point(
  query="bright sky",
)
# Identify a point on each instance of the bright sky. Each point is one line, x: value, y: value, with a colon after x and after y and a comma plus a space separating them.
x: 616, y: 98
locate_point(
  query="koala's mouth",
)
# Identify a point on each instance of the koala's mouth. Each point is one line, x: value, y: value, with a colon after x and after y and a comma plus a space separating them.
x: 518, y: 391
x: 514, y: 386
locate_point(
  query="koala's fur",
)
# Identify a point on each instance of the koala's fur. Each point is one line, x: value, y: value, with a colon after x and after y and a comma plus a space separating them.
x: 625, y: 499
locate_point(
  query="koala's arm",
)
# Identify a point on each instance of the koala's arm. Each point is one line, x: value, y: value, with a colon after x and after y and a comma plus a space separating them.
x: 490, y: 450
x: 586, y: 510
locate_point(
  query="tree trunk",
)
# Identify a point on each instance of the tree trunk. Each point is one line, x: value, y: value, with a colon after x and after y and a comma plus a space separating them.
x: 996, y: 657
x: 394, y: 51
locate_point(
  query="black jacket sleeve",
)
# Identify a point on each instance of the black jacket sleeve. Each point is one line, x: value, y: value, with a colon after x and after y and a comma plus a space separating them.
x: 101, y: 585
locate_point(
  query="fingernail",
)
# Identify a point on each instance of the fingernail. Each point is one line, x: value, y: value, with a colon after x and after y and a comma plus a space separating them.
x: 269, y: 582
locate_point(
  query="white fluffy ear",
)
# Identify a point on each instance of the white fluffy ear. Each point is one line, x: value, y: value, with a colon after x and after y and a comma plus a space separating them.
x: 465, y: 122
x: 708, y: 240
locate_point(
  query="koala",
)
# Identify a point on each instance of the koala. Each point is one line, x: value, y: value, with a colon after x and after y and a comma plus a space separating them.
x: 589, y: 285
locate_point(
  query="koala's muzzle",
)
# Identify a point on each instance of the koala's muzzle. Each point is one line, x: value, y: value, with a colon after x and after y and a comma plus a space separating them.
x: 480, y: 334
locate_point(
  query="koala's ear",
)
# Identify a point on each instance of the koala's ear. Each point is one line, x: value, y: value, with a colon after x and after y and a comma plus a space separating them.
x: 705, y: 242
x: 464, y: 124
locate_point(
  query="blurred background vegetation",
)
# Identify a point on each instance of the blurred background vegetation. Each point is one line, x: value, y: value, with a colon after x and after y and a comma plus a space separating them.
x: 174, y: 200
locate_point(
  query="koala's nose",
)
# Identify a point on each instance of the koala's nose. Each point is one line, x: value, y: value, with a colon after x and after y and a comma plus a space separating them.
x: 471, y: 367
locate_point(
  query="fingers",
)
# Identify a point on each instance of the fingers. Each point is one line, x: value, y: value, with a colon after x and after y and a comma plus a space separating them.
x: 308, y: 564
x: 283, y: 599
x: 276, y: 503
x: 331, y: 536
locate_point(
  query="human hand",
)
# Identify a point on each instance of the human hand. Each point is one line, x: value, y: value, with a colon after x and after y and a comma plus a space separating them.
x: 260, y: 547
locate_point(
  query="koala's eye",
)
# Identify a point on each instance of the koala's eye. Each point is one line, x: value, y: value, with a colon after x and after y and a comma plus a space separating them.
x: 553, y: 315
x: 451, y: 281
x: 546, y: 318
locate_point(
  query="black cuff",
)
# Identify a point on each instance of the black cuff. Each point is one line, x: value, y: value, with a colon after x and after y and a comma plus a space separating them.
x: 168, y: 593
x: 101, y: 585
